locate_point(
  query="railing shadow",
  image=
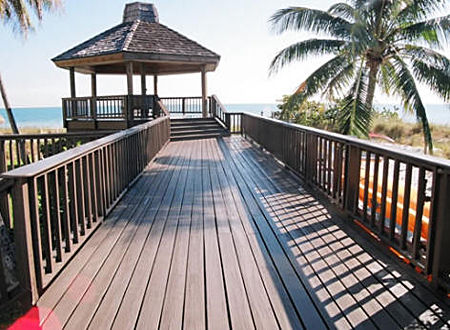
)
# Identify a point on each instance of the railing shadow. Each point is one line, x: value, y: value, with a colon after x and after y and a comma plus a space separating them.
x: 366, y: 288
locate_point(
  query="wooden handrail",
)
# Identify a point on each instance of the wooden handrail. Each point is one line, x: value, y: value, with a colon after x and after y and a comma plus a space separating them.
x: 404, y: 155
x: 163, y: 108
x: 369, y: 182
x: 59, y: 201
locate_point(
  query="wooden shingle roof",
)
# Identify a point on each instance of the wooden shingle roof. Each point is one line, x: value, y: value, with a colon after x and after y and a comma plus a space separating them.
x: 138, y: 37
x: 142, y: 39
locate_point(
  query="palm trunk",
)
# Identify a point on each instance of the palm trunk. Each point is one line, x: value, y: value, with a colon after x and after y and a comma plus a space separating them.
x: 12, y: 122
x: 9, y: 113
x: 428, y: 140
x: 374, y: 68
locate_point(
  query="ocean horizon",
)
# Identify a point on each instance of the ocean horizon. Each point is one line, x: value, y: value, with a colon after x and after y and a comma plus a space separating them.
x: 51, y: 117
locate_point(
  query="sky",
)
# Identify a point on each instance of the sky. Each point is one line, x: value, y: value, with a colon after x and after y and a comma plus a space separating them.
x: 238, y: 30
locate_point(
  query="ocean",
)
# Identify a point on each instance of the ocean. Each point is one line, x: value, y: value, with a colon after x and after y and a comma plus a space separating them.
x: 51, y: 117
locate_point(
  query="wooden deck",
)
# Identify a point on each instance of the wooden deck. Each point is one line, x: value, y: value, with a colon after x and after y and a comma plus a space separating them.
x: 217, y: 235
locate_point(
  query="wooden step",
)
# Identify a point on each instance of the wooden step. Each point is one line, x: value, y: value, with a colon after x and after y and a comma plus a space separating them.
x: 195, y: 127
x: 198, y: 131
x: 197, y: 136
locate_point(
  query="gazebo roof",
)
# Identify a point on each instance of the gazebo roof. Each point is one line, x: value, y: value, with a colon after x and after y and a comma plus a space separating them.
x: 140, y: 38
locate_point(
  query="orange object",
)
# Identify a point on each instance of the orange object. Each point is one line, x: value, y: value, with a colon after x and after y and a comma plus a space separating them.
x: 400, y: 199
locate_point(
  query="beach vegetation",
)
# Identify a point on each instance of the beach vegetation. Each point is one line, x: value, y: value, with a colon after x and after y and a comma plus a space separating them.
x: 394, y: 45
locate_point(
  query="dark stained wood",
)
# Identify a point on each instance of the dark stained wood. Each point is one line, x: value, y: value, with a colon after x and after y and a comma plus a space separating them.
x: 216, y: 234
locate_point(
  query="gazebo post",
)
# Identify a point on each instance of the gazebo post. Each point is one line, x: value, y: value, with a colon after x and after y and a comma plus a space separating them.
x: 73, y: 95
x: 143, y: 81
x: 155, y: 85
x: 94, y: 97
x: 129, y: 69
x: 204, y: 94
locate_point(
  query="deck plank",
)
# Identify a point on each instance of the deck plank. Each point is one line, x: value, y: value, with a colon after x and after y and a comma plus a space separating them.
x: 400, y: 302
x: 328, y: 269
x: 172, y: 311
x: 216, y: 234
x: 216, y: 304
x: 110, y: 284
x: 194, y: 304
x: 79, y: 283
x: 131, y: 306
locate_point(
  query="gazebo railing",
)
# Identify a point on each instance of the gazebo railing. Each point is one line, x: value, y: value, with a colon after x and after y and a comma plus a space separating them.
x: 119, y: 107
x: 184, y: 105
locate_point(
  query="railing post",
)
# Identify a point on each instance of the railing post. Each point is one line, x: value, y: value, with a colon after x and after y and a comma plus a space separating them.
x: 441, y: 230
x: 26, y: 272
x: 183, y: 106
x: 129, y: 110
x: 212, y: 106
x: 64, y: 112
x: 352, y: 169
x: 94, y: 110
x: 311, y: 157
x: 228, y: 121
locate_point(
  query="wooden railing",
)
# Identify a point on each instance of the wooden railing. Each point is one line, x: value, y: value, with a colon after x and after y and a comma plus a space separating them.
x: 17, y: 150
x: 401, y: 198
x: 232, y: 120
x: 120, y: 107
x: 59, y: 201
x: 183, y: 105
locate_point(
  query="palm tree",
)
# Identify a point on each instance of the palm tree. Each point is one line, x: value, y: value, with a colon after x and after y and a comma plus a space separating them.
x: 17, y: 14
x: 393, y: 44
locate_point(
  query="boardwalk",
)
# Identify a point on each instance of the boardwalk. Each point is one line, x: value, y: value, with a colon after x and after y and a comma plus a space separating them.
x: 217, y: 235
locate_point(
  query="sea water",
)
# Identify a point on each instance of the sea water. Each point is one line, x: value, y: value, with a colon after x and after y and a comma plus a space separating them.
x: 51, y: 117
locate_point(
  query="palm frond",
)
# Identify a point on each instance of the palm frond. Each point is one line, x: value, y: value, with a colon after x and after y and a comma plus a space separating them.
x: 19, y: 13
x: 432, y: 32
x: 434, y: 77
x: 301, y: 50
x: 319, y: 79
x: 340, y: 81
x: 387, y: 77
x: 425, y: 54
x: 344, y: 10
x: 407, y: 89
x: 301, y: 18
x: 413, y: 10
x: 355, y: 116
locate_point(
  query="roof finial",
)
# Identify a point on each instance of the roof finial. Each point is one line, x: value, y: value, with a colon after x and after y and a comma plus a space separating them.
x: 140, y: 11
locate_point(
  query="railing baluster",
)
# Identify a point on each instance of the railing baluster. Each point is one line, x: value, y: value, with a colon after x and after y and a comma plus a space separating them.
x: 366, y: 184
x: 66, y: 216
x: 406, y: 205
x: 47, y: 227
x: 417, y: 234
x: 55, y: 213
x: 384, y: 187
x: 394, y: 199
x: 73, y: 197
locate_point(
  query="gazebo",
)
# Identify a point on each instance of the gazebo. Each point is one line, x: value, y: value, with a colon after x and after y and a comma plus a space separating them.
x: 140, y: 45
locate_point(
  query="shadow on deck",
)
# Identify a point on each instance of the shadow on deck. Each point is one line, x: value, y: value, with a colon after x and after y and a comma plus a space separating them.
x: 217, y: 235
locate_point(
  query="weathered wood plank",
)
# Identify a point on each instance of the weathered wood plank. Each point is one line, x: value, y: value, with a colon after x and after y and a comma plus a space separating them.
x: 407, y: 296
x: 150, y: 311
x: 194, y: 305
x: 260, y: 305
x: 105, y: 313
x: 240, y: 313
x: 121, y: 260
x: 216, y: 305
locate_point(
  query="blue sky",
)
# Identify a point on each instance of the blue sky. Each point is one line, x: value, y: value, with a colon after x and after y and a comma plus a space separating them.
x: 238, y: 30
